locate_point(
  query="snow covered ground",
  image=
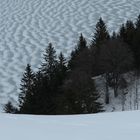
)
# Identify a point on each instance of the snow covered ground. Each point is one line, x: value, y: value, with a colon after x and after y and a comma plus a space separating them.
x: 131, y: 99
x: 104, y: 126
x: 27, y: 26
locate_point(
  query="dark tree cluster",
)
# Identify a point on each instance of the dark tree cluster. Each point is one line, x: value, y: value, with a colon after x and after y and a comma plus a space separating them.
x: 68, y: 87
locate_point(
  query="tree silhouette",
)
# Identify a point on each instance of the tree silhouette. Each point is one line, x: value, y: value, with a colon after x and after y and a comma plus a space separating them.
x: 26, y: 93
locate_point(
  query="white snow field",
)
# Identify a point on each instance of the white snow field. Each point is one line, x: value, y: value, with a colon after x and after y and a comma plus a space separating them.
x: 27, y: 26
x: 104, y: 126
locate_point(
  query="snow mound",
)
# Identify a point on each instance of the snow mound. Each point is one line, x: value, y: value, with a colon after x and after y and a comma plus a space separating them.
x: 104, y: 126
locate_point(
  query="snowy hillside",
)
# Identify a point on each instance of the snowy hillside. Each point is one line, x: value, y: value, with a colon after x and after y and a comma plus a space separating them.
x: 115, y: 104
x: 104, y: 126
x: 26, y: 27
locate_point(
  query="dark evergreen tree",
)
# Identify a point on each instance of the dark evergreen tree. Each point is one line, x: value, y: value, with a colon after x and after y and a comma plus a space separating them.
x: 82, y: 43
x: 49, y: 69
x: 127, y: 32
x: 80, y: 48
x: 43, y: 97
x: 81, y: 95
x: 122, y: 32
x: 114, y: 36
x: 9, y: 108
x: 49, y: 63
x: 60, y: 76
x: 130, y: 32
x: 137, y: 24
x: 136, y: 42
x: 101, y: 34
x: 61, y: 67
x: 27, y: 84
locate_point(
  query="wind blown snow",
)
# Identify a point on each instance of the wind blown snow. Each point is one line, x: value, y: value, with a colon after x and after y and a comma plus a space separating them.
x: 27, y: 26
x: 104, y: 126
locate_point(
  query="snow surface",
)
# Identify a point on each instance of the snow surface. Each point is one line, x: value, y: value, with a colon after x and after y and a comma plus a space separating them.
x: 27, y: 26
x: 104, y: 126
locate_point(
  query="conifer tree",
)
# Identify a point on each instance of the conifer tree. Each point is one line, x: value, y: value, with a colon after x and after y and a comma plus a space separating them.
x: 101, y: 34
x: 26, y: 93
x: 127, y: 32
x: 50, y: 82
x: 42, y: 95
x: 79, y: 49
x: 122, y: 32
x: 81, y: 96
x: 137, y: 24
x: 9, y: 108
x: 62, y: 69
x: 49, y: 64
x: 130, y: 32
x: 136, y: 42
x: 82, y: 43
x: 60, y: 76
x: 114, y: 35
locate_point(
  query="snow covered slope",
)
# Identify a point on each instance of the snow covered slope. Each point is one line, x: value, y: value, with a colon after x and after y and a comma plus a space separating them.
x: 26, y: 27
x: 104, y: 126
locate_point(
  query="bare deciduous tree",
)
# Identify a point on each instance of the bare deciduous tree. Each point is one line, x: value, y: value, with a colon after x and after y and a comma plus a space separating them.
x: 115, y: 59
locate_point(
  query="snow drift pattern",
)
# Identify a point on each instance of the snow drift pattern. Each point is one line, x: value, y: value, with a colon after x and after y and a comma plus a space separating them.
x: 26, y: 27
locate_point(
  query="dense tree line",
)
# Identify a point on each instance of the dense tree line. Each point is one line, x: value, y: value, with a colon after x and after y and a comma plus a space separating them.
x: 64, y: 86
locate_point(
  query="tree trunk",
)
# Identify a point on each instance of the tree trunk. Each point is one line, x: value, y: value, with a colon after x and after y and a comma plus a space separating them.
x: 107, y: 94
x: 136, y: 102
x: 115, y: 91
x: 123, y: 100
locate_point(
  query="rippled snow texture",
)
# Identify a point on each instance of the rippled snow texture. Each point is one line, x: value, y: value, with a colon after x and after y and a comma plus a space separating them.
x: 27, y: 26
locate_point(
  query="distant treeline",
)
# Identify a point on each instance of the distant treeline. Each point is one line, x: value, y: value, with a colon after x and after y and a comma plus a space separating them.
x: 63, y: 86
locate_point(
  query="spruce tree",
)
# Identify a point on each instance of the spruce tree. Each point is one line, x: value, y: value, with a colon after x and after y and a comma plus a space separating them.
x: 82, y: 43
x: 122, y: 32
x: 48, y: 70
x: 60, y: 76
x: 42, y: 95
x: 79, y: 49
x: 9, y: 108
x: 49, y: 63
x: 26, y: 93
x: 130, y: 32
x: 81, y: 95
x: 101, y: 34
x: 137, y: 24
x: 136, y: 42
x: 114, y: 35
x: 127, y: 32
x: 62, y: 69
